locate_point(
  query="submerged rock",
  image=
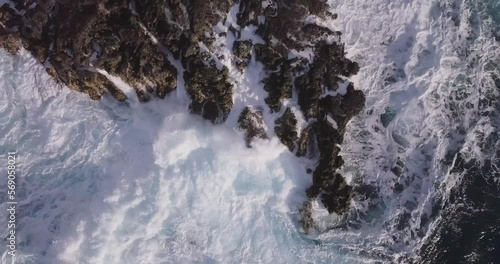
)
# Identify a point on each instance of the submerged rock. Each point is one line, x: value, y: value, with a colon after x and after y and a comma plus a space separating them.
x: 387, y: 117
x: 306, y: 220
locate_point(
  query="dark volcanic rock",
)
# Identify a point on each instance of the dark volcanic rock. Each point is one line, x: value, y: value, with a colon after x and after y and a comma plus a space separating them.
x: 9, y: 42
x: 287, y: 33
x: 209, y: 89
x: 286, y: 129
x: 74, y: 37
x: 248, y: 8
x: 284, y: 31
x: 243, y: 52
x: 169, y: 32
x: 278, y: 86
x: 306, y: 220
x: 334, y: 192
x: 329, y: 63
x: 268, y: 56
x: 306, y: 143
x: 343, y: 108
x: 251, y: 122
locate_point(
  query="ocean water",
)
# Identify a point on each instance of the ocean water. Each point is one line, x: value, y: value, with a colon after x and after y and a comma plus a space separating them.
x: 109, y: 182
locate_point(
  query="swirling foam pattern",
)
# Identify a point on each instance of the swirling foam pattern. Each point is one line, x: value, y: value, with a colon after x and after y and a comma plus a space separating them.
x: 430, y: 70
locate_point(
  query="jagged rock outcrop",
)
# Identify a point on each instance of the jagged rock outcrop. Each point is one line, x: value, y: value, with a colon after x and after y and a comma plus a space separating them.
x: 209, y: 89
x: 286, y: 129
x: 287, y: 32
x: 9, y: 42
x: 208, y: 85
x: 147, y: 42
x: 323, y: 74
x: 250, y: 121
x: 306, y: 145
x: 278, y: 86
x: 73, y: 38
x: 242, y: 49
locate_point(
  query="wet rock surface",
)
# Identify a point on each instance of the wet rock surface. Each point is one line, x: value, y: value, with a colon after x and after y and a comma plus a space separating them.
x: 119, y: 36
x: 150, y: 44
x: 73, y: 38
x: 243, y: 52
x: 286, y: 129
x: 287, y: 33
x: 210, y: 92
x: 9, y: 42
x: 251, y: 122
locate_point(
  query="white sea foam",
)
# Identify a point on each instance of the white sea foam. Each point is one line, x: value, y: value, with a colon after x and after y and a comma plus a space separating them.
x: 427, y: 61
x: 110, y: 182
